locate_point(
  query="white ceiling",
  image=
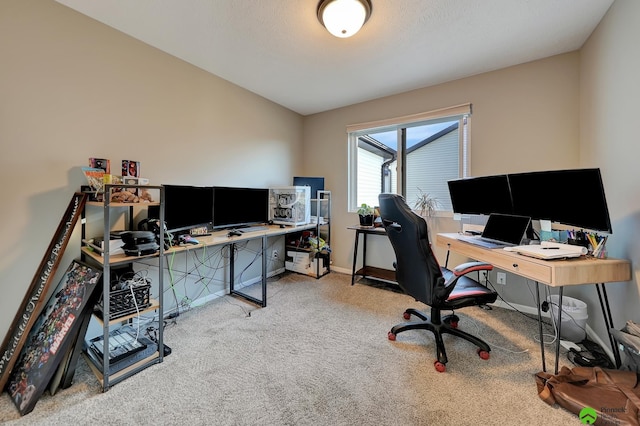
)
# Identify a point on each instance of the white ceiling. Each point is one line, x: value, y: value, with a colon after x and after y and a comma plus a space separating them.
x: 279, y: 50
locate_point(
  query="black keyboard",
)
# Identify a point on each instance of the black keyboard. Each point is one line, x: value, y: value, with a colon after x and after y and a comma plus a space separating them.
x: 252, y: 229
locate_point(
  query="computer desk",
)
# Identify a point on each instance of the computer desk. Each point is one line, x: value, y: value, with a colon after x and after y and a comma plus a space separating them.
x: 221, y: 238
x: 553, y: 273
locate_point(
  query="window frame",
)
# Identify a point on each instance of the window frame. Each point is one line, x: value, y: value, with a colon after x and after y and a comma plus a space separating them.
x: 355, y: 131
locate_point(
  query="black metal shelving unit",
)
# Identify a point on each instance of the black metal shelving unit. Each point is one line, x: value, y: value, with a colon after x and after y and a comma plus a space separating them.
x: 107, y: 261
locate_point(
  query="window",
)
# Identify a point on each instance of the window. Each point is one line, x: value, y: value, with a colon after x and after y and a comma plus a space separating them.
x: 409, y: 155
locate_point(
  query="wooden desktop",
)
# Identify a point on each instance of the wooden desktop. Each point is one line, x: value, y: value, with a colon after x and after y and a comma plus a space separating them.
x: 554, y: 273
x: 223, y: 237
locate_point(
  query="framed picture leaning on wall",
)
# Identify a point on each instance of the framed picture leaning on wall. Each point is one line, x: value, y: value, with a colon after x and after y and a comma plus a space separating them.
x: 52, y: 334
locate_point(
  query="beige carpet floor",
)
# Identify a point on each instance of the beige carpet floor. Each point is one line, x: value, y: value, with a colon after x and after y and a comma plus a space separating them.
x: 318, y: 354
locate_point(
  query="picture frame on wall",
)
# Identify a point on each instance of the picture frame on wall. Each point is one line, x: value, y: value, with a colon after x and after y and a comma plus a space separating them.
x: 53, y: 334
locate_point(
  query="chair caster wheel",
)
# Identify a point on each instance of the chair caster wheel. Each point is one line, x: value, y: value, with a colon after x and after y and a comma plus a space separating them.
x: 452, y: 321
x: 406, y: 316
x: 391, y: 336
x: 440, y: 367
x: 483, y: 354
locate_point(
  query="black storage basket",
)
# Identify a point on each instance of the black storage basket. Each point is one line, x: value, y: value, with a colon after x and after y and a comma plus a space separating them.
x: 122, y: 302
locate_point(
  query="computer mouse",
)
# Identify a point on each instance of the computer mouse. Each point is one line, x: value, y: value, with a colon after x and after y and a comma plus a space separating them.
x: 188, y: 239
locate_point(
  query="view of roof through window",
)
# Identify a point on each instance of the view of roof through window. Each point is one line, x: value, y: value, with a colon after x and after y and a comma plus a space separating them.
x: 415, y: 135
x: 431, y: 157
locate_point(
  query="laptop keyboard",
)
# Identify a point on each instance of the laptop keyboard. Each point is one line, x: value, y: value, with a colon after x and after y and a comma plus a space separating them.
x: 482, y: 243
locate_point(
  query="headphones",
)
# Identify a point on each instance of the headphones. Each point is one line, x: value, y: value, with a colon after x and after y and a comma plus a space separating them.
x: 153, y: 225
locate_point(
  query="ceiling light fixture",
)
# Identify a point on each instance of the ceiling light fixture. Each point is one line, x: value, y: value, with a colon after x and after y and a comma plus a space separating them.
x: 343, y: 18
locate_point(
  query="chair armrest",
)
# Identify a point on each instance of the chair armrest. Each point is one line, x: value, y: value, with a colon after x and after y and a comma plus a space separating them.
x: 465, y: 268
x: 446, y: 286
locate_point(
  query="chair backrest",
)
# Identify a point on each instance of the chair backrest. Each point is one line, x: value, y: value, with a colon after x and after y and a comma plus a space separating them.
x: 417, y: 269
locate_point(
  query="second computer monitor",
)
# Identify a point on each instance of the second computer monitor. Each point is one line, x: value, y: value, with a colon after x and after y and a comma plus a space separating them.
x: 480, y: 195
x: 237, y: 207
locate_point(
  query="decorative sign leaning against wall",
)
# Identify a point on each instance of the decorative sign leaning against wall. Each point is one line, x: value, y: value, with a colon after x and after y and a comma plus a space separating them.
x: 34, y: 299
x: 52, y: 334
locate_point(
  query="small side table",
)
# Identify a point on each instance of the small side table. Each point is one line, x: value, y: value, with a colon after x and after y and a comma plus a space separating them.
x: 368, y: 271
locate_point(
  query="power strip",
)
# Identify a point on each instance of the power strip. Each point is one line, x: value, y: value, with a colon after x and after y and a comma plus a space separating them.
x: 570, y: 345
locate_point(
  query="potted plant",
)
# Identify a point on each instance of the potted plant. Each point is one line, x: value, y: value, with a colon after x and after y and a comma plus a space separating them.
x: 365, y: 212
x: 426, y: 204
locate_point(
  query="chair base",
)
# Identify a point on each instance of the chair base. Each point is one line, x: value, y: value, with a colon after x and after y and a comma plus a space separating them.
x: 439, y: 326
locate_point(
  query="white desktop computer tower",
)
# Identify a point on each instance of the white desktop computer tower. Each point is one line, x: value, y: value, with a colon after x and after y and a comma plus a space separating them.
x: 290, y: 205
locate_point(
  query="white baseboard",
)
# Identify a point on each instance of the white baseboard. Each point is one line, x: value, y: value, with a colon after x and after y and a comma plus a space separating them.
x: 209, y: 297
x: 340, y: 270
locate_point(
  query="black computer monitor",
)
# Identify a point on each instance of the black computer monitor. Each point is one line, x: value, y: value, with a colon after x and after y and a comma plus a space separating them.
x: 187, y: 207
x: 573, y: 197
x: 236, y: 207
x: 480, y: 195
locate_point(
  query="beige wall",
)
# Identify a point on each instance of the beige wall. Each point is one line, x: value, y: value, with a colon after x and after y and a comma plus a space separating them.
x: 72, y: 88
x: 524, y: 118
x: 609, y: 94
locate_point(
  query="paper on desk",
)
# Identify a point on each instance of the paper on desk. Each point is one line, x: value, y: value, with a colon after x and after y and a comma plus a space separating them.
x: 565, y: 247
x: 545, y: 225
x: 549, y: 250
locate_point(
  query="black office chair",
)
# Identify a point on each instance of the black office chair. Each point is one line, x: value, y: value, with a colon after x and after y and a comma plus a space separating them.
x: 420, y: 276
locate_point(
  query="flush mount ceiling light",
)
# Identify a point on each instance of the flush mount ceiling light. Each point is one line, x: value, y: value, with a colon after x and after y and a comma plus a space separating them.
x: 343, y: 18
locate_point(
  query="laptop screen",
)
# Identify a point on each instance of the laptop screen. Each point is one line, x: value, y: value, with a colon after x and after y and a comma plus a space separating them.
x: 506, y: 228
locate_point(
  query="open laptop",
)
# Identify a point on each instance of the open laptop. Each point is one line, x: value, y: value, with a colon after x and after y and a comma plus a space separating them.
x: 501, y: 230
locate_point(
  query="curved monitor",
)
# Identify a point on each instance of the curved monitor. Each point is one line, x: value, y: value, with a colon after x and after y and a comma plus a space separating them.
x: 572, y: 197
x: 480, y: 195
